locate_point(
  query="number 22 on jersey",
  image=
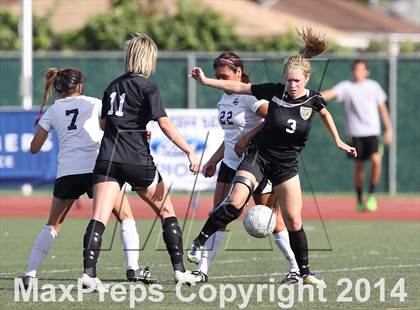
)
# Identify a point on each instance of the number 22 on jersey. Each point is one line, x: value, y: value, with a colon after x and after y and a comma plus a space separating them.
x: 119, y: 111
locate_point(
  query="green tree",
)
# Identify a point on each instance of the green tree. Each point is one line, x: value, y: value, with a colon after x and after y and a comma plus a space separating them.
x: 9, y: 31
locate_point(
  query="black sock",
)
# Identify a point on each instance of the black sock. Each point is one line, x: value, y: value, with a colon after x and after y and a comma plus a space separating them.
x: 372, y: 188
x: 299, y: 245
x: 173, y: 239
x: 91, y: 246
x: 359, y: 193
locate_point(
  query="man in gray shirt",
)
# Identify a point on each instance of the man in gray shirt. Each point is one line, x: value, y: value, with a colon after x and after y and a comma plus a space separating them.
x: 364, y: 100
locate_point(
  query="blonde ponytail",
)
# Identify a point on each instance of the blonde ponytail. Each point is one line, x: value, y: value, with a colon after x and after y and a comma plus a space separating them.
x: 315, y: 44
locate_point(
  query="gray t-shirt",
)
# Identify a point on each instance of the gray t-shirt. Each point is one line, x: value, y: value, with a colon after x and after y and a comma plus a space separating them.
x: 361, y: 101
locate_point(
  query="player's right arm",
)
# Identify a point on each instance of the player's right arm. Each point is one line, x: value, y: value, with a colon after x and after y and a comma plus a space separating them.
x: 209, y: 169
x: 229, y: 86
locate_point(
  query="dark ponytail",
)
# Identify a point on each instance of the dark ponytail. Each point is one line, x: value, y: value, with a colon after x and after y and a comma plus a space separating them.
x: 64, y: 81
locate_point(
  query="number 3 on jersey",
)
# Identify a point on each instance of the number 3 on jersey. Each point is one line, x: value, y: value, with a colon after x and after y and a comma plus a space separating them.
x: 119, y: 111
x: 292, y: 124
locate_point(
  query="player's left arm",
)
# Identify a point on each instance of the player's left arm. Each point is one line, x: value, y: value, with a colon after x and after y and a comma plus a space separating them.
x: 332, y: 129
x: 386, y: 119
x: 173, y: 134
x: 38, y: 140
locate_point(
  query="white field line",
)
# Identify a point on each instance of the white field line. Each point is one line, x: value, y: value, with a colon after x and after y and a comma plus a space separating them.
x: 249, y: 275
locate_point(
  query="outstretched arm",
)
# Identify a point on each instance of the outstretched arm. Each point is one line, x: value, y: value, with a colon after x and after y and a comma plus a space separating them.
x: 173, y: 134
x: 330, y: 125
x: 229, y: 86
x: 328, y: 94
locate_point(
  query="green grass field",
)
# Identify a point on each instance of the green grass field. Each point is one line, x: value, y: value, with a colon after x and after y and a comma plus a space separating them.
x: 370, y: 250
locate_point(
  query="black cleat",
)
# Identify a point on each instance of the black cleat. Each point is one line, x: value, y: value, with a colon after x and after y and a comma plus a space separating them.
x: 26, y: 281
x: 291, y: 278
x: 142, y: 274
x: 204, y: 277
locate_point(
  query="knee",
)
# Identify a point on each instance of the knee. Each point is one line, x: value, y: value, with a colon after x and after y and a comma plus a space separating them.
x: 293, y: 223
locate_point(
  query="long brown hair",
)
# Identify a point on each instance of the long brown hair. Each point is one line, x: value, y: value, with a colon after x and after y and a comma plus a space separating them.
x: 64, y: 81
x: 232, y: 61
x: 315, y: 44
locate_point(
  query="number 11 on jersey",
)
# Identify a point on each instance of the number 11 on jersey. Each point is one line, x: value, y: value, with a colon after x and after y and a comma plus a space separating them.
x: 118, y: 112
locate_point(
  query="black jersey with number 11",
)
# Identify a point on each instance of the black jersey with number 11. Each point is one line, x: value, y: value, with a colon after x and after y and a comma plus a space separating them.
x: 129, y: 103
x: 288, y: 121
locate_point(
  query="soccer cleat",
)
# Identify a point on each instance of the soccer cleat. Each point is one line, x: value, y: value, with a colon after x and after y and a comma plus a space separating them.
x: 291, y: 278
x: 142, y: 274
x: 311, y: 279
x: 186, y: 277
x: 371, y: 203
x: 194, y: 255
x: 93, y: 283
x: 26, y: 280
x: 360, y: 207
x: 204, y: 277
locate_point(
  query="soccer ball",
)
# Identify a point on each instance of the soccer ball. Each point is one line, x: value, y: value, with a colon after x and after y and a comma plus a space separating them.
x: 260, y: 221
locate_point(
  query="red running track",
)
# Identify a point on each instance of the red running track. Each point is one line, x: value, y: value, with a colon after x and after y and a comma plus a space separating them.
x: 330, y: 208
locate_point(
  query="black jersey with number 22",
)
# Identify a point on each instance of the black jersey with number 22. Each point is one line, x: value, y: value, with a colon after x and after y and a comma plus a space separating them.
x: 129, y: 103
x: 288, y: 121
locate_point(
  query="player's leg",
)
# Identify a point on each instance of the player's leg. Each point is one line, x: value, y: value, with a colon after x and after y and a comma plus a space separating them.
x: 156, y: 194
x: 280, y: 235
x: 130, y: 240
x: 214, y: 242
x: 106, y: 190
x: 359, y: 168
x: 289, y: 197
x: 375, y: 172
x: 46, y: 236
x: 227, y: 211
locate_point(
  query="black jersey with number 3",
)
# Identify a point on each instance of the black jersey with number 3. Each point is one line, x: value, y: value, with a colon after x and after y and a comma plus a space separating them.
x: 288, y: 121
x: 129, y: 103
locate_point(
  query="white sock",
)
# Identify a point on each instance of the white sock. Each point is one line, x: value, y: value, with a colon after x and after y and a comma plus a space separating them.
x: 283, y: 243
x: 40, y: 249
x: 130, y: 243
x: 212, y: 244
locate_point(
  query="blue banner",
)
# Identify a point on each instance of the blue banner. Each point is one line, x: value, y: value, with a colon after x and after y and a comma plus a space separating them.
x: 17, y: 164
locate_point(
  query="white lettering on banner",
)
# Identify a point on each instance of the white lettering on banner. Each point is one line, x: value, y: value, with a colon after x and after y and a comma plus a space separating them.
x: 11, y: 143
x: 25, y: 142
x: 7, y: 161
x: 14, y: 143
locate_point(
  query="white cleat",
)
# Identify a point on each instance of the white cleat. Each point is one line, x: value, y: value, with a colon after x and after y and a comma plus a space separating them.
x: 93, y: 283
x: 194, y: 255
x: 186, y: 277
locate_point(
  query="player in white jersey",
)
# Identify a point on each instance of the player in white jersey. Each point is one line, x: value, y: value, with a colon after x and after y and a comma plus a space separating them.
x: 238, y: 115
x: 364, y: 100
x: 75, y: 119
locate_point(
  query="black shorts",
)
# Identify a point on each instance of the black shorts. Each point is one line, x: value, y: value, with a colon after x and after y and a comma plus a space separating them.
x: 226, y: 175
x: 365, y: 147
x: 138, y: 176
x: 277, y: 171
x: 74, y: 186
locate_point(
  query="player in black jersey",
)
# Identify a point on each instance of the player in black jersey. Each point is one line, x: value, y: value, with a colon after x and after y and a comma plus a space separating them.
x: 128, y: 104
x: 274, y: 150
x: 79, y: 137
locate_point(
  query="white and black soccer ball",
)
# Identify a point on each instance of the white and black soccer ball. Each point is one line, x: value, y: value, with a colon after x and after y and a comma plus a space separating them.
x: 259, y: 221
